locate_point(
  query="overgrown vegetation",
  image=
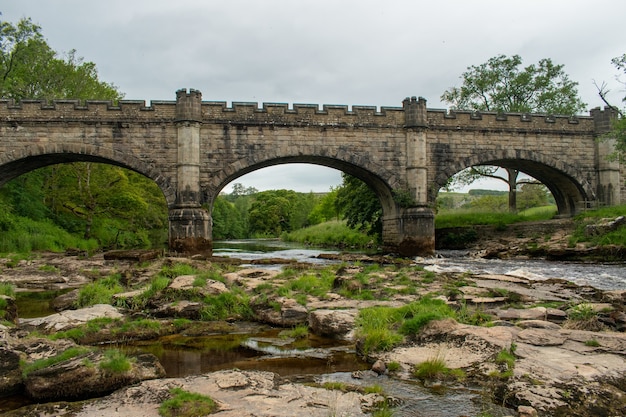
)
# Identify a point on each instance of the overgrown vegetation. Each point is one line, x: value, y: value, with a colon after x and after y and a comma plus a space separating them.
x: 436, y: 368
x: 614, y: 237
x: 67, y: 354
x: 187, y: 404
x: 383, y: 328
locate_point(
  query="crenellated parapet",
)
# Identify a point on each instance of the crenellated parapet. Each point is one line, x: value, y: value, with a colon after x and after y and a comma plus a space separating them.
x: 190, y: 107
x: 472, y: 120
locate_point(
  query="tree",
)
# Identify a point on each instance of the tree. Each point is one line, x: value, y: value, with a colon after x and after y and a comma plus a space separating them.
x: 359, y: 205
x: 500, y: 85
x: 30, y: 69
x: 118, y: 206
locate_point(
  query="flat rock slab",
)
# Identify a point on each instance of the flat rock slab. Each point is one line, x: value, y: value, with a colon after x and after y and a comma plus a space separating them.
x: 72, y: 318
x: 238, y: 394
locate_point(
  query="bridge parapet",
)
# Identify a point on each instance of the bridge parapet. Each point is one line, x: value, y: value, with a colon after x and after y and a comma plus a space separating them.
x: 93, y: 110
x: 445, y: 119
x: 301, y: 114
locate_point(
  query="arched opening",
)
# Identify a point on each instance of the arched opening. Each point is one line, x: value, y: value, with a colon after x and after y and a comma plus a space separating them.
x: 569, y: 188
x: 257, y: 199
x: 64, y: 200
x: 495, y: 189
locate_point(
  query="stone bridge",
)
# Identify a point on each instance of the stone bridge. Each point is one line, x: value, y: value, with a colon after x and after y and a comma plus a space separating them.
x: 193, y: 148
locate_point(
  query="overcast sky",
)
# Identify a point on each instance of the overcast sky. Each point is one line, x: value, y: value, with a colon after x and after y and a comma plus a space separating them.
x: 360, y: 52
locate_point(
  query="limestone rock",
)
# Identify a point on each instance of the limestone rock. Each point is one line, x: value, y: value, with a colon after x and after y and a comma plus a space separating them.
x: 332, y: 323
x: 186, y: 283
x: 72, y: 318
x: 65, y: 301
x: 289, y: 314
x: 73, y: 379
x: 183, y: 309
x: 10, y: 373
x: 10, y: 312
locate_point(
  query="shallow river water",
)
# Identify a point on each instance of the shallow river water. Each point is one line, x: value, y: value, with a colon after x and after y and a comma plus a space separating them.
x: 320, y: 360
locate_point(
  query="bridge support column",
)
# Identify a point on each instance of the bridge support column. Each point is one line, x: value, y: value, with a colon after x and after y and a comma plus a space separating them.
x: 609, y: 179
x: 189, y: 223
x: 412, y: 233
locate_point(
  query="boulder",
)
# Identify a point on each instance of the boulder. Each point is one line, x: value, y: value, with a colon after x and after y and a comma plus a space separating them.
x: 333, y: 323
x: 65, y: 301
x: 72, y: 318
x: 184, y: 309
x: 81, y: 377
x: 9, y: 311
x: 10, y: 373
x: 289, y: 313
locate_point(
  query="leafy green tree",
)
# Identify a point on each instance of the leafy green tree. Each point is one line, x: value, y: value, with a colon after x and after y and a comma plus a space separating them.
x: 325, y: 209
x: 118, y: 206
x: 533, y: 195
x: 228, y: 220
x: 270, y: 213
x: 96, y: 193
x: 359, y: 205
x: 30, y: 69
x: 502, y: 85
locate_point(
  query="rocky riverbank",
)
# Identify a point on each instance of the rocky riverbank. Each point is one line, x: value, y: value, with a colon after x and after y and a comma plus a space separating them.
x: 565, y: 343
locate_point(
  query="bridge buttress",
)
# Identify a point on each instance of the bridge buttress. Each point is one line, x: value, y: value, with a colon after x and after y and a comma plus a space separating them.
x: 607, y: 164
x: 412, y: 231
x: 189, y: 223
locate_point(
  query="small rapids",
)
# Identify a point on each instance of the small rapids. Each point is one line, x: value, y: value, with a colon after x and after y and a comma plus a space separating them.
x: 602, y: 276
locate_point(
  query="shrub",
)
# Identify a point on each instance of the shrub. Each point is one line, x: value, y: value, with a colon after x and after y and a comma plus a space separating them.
x: 436, y: 369
x: 187, y: 404
x: 115, y: 362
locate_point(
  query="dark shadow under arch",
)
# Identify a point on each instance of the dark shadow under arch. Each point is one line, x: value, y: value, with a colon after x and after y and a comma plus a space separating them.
x: 566, y: 183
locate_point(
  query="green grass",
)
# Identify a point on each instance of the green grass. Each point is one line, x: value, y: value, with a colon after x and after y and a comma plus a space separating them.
x: 227, y: 305
x: 99, y: 292
x: 383, y: 328
x: 115, y: 362
x: 333, y: 233
x: 187, y: 404
x: 25, y: 235
x: 436, y: 368
x: 616, y: 237
x: 472, y: 217
x: 61, y: 357
x: 7, y: 289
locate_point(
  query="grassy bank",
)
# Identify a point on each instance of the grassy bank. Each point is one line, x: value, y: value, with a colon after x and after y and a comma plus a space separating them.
x: 615, y: 237
x: 472, y: 217
x: 23, y: 235
x: 331, y: 234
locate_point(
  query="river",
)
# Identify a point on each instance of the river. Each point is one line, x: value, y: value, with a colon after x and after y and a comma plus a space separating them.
x: 605, y: 276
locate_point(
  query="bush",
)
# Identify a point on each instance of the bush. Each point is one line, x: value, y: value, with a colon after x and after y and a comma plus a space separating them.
x: 115, y: 362
x: 99, y: 292
x: 187, y: 404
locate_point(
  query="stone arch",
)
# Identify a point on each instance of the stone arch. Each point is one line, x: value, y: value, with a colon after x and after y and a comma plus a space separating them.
x: 380, y: 180
x: 568, y: 185
x: 26, y: 159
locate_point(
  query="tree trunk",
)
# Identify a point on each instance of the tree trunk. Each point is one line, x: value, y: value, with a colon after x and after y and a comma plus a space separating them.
x: 512, y: 180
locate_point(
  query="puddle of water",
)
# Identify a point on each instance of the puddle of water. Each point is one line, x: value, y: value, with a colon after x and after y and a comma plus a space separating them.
x: 33, y: 304
x: 265, y: 351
